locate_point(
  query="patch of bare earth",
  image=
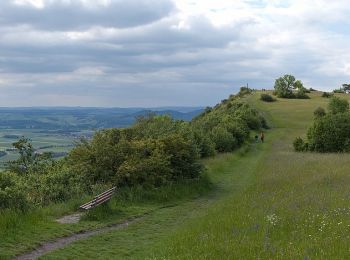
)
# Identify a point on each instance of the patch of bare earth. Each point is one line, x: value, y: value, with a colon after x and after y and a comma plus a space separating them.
x: 70, y: 219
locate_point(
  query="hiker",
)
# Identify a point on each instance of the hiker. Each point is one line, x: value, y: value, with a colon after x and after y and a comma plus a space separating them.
x: 262, y: 136
x: 256, y: 138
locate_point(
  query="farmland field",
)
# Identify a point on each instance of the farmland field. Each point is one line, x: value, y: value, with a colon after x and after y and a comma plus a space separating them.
x: 42, y: 140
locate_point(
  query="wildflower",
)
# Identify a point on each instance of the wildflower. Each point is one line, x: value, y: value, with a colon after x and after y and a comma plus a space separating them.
x: 272, y: 219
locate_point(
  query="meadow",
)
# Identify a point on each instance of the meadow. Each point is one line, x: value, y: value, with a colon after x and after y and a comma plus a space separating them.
x: 264, y: 201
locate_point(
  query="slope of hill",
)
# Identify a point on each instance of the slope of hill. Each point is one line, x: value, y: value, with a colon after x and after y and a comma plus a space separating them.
x: 268, y: 202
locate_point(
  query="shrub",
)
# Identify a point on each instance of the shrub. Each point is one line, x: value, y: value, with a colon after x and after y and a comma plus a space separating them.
x: 319, y: 112
x: 267, y: 98
x: 244, y: 91
x: 57, y: 185
x: 205, y: 145
x: 299, y: 145
x: 12, y: 195
x: 301, y: 95
x: 152, y: 170
x: 223, y: 139
x: 340, y: 91
x: 338, y: 105
x: 245, y: 114
x: 327, y: 94
x: 330, y: 133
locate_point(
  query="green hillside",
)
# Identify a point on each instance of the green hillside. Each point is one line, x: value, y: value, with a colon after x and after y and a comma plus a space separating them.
x: 265, y: 201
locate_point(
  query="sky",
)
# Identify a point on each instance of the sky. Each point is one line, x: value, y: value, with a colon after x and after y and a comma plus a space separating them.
x: 151, y: 53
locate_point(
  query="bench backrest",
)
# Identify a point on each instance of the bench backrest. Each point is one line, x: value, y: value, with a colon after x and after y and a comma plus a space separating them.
x: 99, y: 199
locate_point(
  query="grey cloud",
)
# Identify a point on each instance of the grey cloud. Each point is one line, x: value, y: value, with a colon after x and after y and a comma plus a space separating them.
x: 142, y: 49
x: 62, y: 16
x: 154, y: 63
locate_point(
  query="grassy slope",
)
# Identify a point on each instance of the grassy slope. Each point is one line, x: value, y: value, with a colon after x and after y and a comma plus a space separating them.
x: 269, y: 203
x: 298, y: 208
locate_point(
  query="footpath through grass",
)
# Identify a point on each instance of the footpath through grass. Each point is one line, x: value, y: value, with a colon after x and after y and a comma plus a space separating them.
x: 268, y: 202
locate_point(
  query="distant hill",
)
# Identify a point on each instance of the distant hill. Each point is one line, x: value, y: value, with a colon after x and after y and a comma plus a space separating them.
x: 83, y: 118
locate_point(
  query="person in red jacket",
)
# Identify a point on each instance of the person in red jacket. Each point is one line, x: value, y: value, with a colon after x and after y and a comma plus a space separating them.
x: 262, y: 137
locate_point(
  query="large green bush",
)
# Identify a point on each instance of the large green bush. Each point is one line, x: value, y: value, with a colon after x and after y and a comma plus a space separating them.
x: 337, y: 105
x: 327, y: 95
x: 56, y: 185
x: 319, y: 112
x: 330, y: 133
x: 11, y: 192
x: 267, y: 98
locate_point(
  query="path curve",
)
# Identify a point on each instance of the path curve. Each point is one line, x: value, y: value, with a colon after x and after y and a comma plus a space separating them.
x: 47, y: 247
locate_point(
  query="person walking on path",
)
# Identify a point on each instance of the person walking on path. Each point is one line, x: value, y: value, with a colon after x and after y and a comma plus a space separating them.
x: 262, y: 137
x: 256, y: 138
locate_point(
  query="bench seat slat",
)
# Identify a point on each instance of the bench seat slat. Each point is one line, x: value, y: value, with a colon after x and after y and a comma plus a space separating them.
x: 99, y: 199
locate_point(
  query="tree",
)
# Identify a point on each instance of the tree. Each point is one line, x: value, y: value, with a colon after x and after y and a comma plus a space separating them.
x: 285, y: 85
x: 28, y: 158
x: 346, y: 87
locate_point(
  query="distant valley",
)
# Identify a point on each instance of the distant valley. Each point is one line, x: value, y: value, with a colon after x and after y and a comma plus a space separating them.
x: 62, y: 119
x: 55, y: 129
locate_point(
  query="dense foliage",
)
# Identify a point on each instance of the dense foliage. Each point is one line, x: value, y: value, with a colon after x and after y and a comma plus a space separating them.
x: 267, y: 98
x: 329, y: 132
x: 327, y: 94
x: 319, y: 112
x: 337, y: 105
x: 156, y: 151
x: 288, y: 87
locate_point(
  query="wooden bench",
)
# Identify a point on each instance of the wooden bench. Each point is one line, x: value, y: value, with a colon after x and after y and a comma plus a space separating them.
x: 99, y: 199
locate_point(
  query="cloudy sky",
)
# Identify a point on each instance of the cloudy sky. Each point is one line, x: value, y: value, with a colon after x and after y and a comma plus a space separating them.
x: 166, y: 52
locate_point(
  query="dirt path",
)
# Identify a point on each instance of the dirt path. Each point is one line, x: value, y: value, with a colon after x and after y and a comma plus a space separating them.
x: 70, y: 219
x: 48, y: 247
x: 62, y: 242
